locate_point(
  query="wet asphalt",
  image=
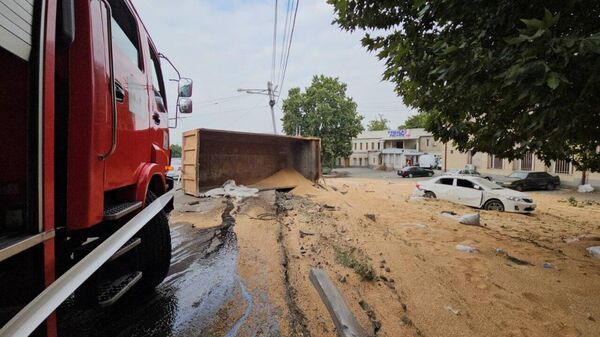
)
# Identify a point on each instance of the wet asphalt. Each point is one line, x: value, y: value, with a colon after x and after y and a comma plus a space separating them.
x: 202, y: 296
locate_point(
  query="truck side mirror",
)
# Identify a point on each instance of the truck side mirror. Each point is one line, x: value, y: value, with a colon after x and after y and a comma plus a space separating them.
x: 185, y: 87
x: 185, y: 105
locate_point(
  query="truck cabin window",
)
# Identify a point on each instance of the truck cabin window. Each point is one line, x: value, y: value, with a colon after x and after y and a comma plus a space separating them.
x: 157, y: 83
x: 124, y: 32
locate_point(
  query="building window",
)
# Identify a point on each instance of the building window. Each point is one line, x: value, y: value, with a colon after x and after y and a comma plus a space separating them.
x: 354, y: 161
x: 372, y: 146
x: 378, y: 146
x: 470, y: 158
x: 427, y: 142
x: 494, y: 162
x: 527, y: 162
x: 354, y: 146
x: 562, y: 167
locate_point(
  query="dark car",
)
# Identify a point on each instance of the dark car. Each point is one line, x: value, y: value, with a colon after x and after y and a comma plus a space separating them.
x: 523, y: 180
x: 415, y: 171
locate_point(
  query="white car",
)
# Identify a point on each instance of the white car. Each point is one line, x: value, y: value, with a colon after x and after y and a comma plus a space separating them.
x: 477, y: 192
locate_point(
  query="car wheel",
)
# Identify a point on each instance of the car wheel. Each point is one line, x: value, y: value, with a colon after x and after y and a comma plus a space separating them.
x: 410, y: 175
x: 519, y: 188
x: 550, y: 187
x: 494, y: 205
x: 430, y: 174
x: 429, y: 194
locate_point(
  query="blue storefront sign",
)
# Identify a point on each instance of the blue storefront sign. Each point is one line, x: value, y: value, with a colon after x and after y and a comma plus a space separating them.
x: 402, y: 133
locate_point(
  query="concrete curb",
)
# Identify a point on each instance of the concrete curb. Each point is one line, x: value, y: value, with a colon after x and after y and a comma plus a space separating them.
x: 345, y: 322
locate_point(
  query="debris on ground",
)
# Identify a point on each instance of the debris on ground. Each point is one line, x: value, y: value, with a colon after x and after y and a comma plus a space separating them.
x: 470, y: 219
x: 230, y: 189
x: 371, y: 314
x: 594, y: 251
x: 456, y: 312
x: 371, y: 217
x: 587, y: 188
x: 518, y: 261
x: 465, y: 248
x: 355, y: 259
x: 548, y: 265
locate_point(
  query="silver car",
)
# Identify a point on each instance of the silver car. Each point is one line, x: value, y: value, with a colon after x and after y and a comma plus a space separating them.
x: 467, y: 172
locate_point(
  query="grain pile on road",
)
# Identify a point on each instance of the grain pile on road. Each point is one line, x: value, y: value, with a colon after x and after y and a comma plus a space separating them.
x: 396, y: 260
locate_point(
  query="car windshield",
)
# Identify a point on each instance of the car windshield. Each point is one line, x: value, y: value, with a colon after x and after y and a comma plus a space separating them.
x: 518, y: 175
x: 486, y: 184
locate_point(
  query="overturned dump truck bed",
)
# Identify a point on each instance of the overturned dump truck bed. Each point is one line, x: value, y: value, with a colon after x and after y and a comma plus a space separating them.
x: 211, y: 157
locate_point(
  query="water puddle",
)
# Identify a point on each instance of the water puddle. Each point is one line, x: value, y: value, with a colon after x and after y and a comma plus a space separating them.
x: 202, y: 291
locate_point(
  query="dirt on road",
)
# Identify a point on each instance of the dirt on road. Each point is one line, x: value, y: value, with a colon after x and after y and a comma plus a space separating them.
x: 241, y: 267
x: 394, y: 259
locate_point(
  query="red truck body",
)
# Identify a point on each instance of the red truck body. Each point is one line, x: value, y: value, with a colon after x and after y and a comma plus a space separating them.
x: 64, y: 169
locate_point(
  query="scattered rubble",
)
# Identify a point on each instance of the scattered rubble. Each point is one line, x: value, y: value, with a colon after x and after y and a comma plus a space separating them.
x: 376, y: 325
x: 470, y: 219
x: 465, y: 248
x: 371, y: 217
x: 230, y: 189
x: 594, y: 251
x: 587, y: 188
x: 456, y: 312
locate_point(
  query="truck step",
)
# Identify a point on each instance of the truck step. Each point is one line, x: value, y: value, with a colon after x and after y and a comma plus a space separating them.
x: 129, y: 245
x: 117, y: 211
x: 109, y: 293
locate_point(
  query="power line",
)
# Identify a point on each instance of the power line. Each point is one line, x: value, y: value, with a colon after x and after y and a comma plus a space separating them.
x: 284, y: 38
x: 287, y: 57
x: 274, y: 44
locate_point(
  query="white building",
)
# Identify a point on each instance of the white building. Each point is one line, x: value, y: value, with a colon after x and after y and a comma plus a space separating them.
x: 392, y: 149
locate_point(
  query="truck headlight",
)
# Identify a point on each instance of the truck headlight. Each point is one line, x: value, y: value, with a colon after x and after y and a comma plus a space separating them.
x: 516, y: 199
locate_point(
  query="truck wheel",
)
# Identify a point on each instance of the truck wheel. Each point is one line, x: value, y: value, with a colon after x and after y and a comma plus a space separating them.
x: 494, y: 205
x: 155, y: 249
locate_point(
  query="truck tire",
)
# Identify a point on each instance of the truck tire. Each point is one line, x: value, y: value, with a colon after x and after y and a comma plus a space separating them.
x: 155, y: 249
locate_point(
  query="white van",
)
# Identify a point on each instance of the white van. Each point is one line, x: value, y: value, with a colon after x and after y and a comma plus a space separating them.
x: 428, y: 161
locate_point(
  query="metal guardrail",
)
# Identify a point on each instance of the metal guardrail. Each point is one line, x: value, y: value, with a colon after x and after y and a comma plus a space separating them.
x: 32, y: 315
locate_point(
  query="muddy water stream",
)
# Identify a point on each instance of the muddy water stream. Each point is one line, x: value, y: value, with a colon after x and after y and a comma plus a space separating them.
x: 202, y: 295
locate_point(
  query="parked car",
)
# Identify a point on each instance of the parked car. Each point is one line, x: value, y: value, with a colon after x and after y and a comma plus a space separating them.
x: 477, y: 192
x: 524, y: 180
x: 415, y: 171
x: 467, y: 172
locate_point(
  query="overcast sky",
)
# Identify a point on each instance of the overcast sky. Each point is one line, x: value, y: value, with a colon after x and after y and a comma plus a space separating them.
x: 224, y: 45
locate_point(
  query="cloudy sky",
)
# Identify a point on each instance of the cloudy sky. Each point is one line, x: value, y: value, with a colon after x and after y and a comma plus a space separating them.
x: 227, y: 44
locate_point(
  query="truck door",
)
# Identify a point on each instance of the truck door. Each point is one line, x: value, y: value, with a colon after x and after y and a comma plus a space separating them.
x: 131, y: 99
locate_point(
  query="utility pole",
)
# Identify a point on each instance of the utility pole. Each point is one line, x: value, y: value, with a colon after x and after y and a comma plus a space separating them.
x: 271, y: 92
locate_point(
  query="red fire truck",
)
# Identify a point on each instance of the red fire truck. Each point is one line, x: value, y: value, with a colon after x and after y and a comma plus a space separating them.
x: 84, y: 195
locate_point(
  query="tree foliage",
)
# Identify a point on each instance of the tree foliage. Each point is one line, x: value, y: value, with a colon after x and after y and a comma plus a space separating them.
x: 175, y: 151
x: 378, y: 124
x: 505, y: 77
x: 323, y: 110
x: 416, y: 121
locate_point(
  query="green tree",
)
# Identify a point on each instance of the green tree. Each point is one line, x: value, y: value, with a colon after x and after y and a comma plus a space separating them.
x: 323, y: 110
x: 175, y: 151
x: 416, y: 121
x: 505, y: 77
x: 378, y: 124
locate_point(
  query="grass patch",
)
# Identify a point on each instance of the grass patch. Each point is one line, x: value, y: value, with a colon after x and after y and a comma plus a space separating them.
x: 355, y: 259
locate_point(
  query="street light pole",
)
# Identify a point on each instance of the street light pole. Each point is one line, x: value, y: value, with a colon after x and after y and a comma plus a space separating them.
x: 271, y: 92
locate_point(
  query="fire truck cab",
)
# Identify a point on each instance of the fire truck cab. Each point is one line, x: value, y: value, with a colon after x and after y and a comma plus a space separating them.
x: 85, y: 138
